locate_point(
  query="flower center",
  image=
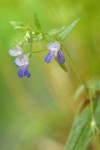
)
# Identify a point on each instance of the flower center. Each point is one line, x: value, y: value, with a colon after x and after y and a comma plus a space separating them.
x: 56, y: 49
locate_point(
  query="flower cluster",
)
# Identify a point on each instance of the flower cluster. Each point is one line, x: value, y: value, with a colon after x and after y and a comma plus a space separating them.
x: 55, y: 51
x: 22, y: 60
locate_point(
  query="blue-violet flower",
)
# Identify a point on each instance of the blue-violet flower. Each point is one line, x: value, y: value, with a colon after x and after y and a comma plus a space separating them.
x: 23, y: 63
x: 55, y: 49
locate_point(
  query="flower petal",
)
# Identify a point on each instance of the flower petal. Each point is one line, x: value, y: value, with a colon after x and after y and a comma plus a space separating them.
x: 21, y: 61
x: 18, y: 61
x: 16, y: 52
x: 57, y: 45
x: 25, y: 60
x: 48, y: 57
x: 50, y: 46
x: 60, y: 57
x: 54, y: 46
x: 21, y: 72
x: 12, y: 52
x: 27, y: 73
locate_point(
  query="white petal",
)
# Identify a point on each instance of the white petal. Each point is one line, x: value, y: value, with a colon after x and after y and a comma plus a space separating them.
x: 12, y: 52
x: 18, y: 62
x: 54, y: 46
x: 26, y: 60
x: 50, y: 46
x: 57, y: 45
x: 16, y: 52
x: 21, y: 61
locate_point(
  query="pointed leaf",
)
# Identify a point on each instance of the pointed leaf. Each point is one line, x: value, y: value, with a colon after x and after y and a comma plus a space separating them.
x: 37, y: 23
x: 56, y: 31
x: 92, y: 84
x: 48, y: 38
x: 68, y: 29
x: 81, y: 133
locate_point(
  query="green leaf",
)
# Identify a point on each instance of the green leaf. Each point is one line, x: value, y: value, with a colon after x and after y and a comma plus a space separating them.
x: 17, y: 25
x: 68, y: 29
x: 48, y: 38
x: 37, y: 23
x: 81, y: 133
x: 56, y: 31
x: 93, y: 84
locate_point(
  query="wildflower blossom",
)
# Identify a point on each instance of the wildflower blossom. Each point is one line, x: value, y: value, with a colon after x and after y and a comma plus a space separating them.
x: 55, y: 49
x: 17, y: 51
x: 23, y: 63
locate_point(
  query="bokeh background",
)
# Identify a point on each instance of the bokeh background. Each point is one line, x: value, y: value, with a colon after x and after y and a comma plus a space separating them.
x: 37, y: 113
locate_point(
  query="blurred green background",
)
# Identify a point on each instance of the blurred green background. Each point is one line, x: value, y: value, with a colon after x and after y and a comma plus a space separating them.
x: 37, y: 113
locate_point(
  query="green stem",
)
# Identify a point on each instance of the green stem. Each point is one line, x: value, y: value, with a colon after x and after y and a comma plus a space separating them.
x: 89, y: 92
x: 91, y: 102
x: 30, y: 42
x: 75, y: 69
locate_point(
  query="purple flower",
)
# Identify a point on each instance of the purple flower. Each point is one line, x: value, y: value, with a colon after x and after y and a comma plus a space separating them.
x: 55, y: 52
x: 23, y: 62
x: 17, y: 51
